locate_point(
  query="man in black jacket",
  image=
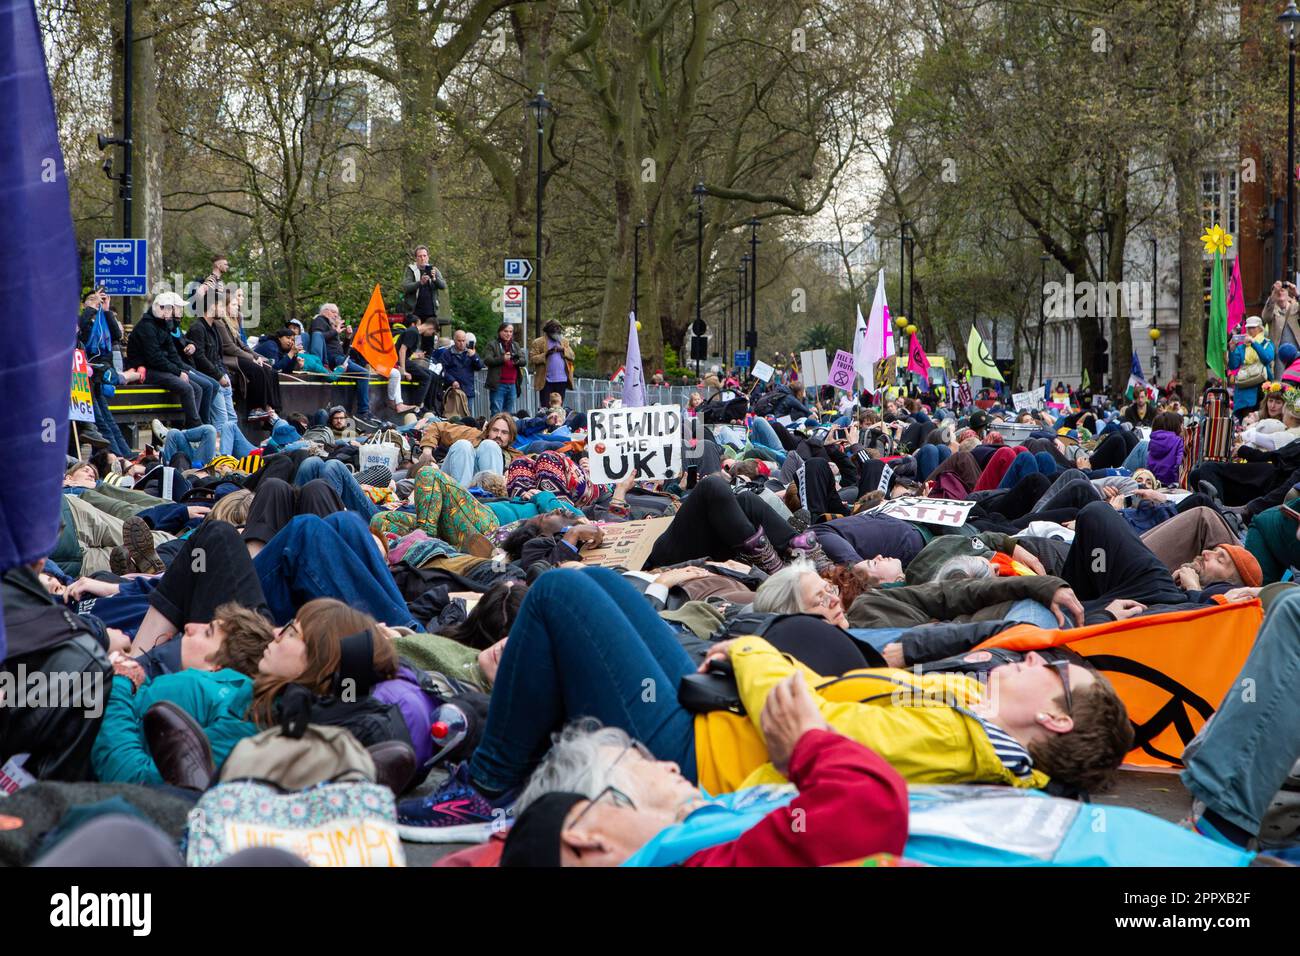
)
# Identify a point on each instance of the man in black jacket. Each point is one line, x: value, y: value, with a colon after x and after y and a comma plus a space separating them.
x: 153, y: 346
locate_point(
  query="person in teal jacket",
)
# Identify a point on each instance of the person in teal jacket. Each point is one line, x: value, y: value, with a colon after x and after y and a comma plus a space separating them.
x: 217, y: 693
x: 216, y: 700
x: 532, y: 504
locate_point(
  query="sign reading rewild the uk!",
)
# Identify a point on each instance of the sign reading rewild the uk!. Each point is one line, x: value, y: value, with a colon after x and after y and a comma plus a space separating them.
x: 647, y: 440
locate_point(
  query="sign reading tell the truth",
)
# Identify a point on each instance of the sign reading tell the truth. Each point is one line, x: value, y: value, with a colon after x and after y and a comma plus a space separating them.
x: 646, y: 439
x: 940, y: 511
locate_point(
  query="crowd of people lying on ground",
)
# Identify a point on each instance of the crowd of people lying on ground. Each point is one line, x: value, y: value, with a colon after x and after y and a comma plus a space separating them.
x: 449, y: 632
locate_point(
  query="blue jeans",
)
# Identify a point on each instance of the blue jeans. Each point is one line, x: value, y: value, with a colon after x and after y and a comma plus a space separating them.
x: 232, y: 438
x: 761, y: 432
x: 362, y: 385
x: 1028, y: 611
x: 502, y: 399
x: 464, y: 461
x: 316, y: 346
x: 617, y: 661
x: 342, y: 480
x: 208, y: 391
x: 199, y: 444
x: 336, y: 557
x: 1244, y: 752
x: 107, y: 424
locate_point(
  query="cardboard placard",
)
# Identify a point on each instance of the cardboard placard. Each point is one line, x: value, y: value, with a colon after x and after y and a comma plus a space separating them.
x: 1027, y: 401
x: 812, y: 368
x: 81, y: 408
x: 627, y: 544
x: 647, y: 439
x: 842, y: 372
x: 762, y: 371
x: 940, y: 511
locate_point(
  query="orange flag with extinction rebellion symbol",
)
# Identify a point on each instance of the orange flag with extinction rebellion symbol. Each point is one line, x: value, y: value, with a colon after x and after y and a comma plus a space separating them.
x: 374, y: 336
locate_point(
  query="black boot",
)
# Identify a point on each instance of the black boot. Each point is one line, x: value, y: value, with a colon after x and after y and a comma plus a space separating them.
x: 806, y: 546
x: 179, y: 747
x: 758, y: 551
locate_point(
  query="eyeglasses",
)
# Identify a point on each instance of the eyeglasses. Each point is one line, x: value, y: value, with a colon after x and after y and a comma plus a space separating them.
x: 826, y: 594
x: 1062, y: 668
x: 612, y: 792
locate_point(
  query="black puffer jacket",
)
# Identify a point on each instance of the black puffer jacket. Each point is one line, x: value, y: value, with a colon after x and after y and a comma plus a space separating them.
x: 207, y: 348
x: 152, y: 345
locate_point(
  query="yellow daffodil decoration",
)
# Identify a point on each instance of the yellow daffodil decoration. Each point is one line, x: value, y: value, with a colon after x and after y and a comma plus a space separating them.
x: 1216, y: 240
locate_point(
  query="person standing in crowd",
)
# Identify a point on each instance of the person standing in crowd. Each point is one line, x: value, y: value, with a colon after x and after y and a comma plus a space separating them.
x: 1251, y: 356
x: 1281, y: 316
x: 420, y: 286
x: 551, y: 357
x: 504, y: 358
x: 102, y: 347
x: 459, y: 363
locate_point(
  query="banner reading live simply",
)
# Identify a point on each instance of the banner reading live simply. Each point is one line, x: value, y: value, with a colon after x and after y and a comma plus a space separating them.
x: 82, y: 408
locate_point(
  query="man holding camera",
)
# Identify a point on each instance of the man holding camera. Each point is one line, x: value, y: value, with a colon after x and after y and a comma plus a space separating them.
x: 420, y: 285
x: 1281, y: 317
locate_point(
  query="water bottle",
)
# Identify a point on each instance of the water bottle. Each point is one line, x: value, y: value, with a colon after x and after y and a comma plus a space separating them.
x: 449, y: 727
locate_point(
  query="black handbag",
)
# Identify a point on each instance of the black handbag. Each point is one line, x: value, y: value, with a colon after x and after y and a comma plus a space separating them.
x: 711, y: 691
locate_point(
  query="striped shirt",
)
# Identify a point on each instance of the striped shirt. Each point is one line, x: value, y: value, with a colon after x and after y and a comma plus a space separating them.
x: 1010, y: 751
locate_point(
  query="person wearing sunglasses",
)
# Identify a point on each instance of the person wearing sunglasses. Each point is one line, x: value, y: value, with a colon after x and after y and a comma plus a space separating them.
x: 620, y: 663
x: 847, y: 803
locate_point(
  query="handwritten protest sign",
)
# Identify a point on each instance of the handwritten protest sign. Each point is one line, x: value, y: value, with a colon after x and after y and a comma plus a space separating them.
x: 1027, y: 401
x: 940, y: 511
x: 842, y: 370
x: 627, y: 544
x: 646, y: 439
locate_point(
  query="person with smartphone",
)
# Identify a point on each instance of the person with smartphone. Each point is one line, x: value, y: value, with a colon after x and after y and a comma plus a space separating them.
x: 420, y: 286
x: 1281, y: 317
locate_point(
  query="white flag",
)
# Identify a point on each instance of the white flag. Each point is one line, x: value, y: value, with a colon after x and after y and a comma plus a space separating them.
x: 877, y: 340
x: 861, y: 355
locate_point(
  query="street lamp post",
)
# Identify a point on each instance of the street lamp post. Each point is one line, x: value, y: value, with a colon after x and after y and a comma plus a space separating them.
x: 1042, y: 314
x: 902, y: 264
x: 636, y: 269
x: 539, y: 106
x: 751, y: 343
x: 1289, y: 18
x: 698, y: 328
x: 744, y: 300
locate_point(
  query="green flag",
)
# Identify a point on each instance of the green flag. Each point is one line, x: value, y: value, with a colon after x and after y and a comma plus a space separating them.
x: 977, y: 353
x: 1216, y: 334
x: 1085, y: 382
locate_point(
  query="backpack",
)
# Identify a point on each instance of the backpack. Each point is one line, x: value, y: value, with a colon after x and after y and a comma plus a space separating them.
x: 322, y: 754
x: 719, y: 410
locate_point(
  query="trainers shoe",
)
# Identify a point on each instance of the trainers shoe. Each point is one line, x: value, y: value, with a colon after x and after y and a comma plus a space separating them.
x: 119, y: 561
x: 454, y: 813
x: 159, y: 432
x: 138, y: 540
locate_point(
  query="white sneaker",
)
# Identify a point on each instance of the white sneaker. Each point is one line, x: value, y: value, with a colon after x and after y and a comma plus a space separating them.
x: 159, y: 431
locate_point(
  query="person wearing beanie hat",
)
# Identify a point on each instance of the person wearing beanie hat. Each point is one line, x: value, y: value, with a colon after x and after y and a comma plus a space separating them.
x: 647, y: 814
x: 1289, y: 362
x: 1225, y: 564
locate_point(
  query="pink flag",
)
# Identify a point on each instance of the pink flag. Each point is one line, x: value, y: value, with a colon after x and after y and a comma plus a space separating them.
x: 1236, y: 300
x: 916, y: 358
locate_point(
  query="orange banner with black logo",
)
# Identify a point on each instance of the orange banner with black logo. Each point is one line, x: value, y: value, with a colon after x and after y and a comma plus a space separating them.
x: 1171, y: 670
x: 374, y: 337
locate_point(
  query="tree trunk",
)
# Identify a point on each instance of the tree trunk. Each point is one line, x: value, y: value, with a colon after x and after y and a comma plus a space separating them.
x: 1191, y: 332
x: 147, y: 174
